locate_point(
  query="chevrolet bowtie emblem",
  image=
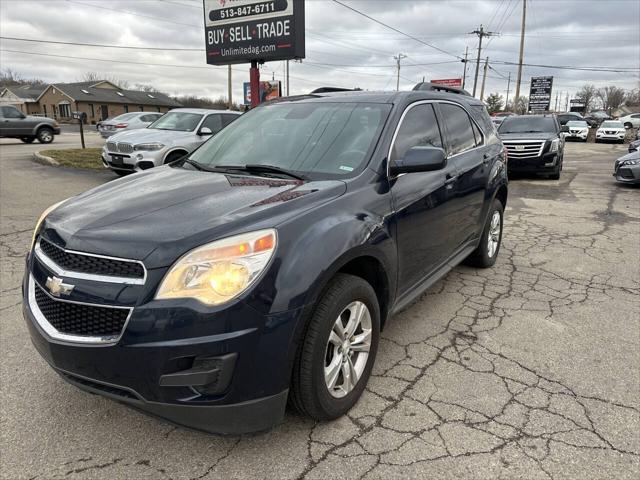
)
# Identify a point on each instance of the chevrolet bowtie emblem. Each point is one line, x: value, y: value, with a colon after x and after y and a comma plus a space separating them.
x: 57, y: 287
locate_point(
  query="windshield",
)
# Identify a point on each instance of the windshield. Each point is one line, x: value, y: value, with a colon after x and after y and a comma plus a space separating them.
x: 527, y: 125
x: 178, y: 121
x: 611, y: 125
x: 578, y: 123
x: 317, y: 140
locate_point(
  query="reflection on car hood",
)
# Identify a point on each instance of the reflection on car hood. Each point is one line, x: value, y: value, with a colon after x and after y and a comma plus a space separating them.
x: 161, y: 213
x: 146, y: 135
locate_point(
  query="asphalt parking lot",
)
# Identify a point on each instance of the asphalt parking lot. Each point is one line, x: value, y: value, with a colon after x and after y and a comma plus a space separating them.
x: 527, y: 370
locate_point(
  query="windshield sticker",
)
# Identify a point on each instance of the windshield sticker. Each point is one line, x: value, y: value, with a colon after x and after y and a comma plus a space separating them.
x: 345, y: 168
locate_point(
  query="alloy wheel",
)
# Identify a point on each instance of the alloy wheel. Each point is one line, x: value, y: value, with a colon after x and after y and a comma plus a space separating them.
x: 347, y: 349
x: 494, y: 234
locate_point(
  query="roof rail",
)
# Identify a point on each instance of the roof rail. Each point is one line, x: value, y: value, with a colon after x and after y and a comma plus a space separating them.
x: 440, y: 88
x: 332, y: 89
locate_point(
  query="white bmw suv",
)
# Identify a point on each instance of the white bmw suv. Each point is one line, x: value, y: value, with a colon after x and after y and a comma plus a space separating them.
x: 175, y: 134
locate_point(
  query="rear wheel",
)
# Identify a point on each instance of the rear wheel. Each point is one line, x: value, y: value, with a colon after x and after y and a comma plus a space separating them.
x: 485, y: 254
x: 45, y: 135
x: 28, y: 139
x: 337, y: 353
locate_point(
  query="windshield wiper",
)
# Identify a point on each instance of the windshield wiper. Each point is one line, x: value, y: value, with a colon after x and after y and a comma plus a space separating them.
x: 258, y: 167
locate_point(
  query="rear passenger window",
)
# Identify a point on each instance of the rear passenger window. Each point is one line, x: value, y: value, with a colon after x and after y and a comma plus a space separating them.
x: 419, y: 128
x: 214, y: 122
x: 459, y: 127
x: 477, y: 134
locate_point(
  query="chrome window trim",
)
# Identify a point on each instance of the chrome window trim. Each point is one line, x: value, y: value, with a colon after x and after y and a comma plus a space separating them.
x: 52, y: 332
x: 423, y: 102
x: 58, y: 270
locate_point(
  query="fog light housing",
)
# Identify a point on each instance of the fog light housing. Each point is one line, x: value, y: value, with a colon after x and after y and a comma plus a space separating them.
x: 207, y: 376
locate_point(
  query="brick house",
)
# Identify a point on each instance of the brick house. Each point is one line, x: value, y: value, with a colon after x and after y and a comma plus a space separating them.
x: 98, y: 100
x: 24, y: 97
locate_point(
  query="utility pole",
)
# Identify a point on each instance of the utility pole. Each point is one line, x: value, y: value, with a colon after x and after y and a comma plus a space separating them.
x: 481, y: 34
x: 484, y: 78
x: 464, y: 72
x: 230, y: 90
x: 287, y: 77
x: 555, y: 109
x: 524, y: 19
x: 397, y: 59
x: 506, y: 102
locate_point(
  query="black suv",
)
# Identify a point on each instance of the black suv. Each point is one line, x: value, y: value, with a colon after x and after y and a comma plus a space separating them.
x: 534, y: 143
x: 263, y: 266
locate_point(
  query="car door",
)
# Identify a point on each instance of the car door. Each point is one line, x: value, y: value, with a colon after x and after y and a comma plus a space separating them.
x: 466, y: 149
x: 11, y: 121
x: 420, y: 201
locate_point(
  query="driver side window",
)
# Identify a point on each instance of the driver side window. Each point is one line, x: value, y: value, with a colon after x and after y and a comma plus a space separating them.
x: 11, y: 112
x: 419, y: 128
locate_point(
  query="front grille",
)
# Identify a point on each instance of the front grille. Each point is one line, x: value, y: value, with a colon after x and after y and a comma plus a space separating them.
x: 125, y: 148
x: 521, y: 149
x: 77, y: 262
x: 625, y: 173
x: 119, y: 147
x: 80, y: 319
x: 610, y: 132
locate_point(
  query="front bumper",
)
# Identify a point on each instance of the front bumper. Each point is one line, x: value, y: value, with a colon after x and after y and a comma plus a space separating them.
x: 56, y: 130
x: 152, y: 366
x: 135, y: 161
x: 576, y: 136
x: 618, y: 137
x: 544, y: 163
x: 628, y: 174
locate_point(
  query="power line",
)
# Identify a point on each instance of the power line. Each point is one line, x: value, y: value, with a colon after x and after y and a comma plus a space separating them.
x: 136, y: 14
x: 102, y: 45
x: 396, y: 30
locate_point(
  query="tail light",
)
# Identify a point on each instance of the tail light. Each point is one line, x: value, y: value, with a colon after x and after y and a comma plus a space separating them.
x: 122, y: 125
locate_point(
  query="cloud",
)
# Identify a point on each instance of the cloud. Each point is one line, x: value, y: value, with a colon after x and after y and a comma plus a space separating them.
x: 341, y: 45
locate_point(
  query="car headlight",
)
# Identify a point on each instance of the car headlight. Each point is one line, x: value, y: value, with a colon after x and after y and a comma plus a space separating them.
x: 630, y: 162
x: 554, y: 145
x: 219, y: 271
x: 47, y: 211
x: 149, y: 147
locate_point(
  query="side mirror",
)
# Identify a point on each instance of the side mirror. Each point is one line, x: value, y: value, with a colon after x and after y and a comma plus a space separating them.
x: 419, y: 159
x: 564, y: 129
x: 205, y: 131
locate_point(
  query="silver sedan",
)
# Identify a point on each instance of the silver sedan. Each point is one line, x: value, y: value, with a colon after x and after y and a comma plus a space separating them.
x: 126, y: 121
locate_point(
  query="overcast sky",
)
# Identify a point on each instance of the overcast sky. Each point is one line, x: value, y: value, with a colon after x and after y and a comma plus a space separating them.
x: 343, y: 48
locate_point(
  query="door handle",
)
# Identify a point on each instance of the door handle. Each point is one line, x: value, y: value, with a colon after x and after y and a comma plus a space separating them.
x: 450, y: 180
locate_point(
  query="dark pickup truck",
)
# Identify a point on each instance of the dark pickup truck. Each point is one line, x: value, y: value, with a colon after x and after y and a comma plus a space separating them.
x: 534, y: 143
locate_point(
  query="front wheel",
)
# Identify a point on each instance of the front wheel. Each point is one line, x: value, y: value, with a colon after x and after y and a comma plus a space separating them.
x: 628, y: 125
x: 484, y: 256
x: 45, y: 135
x: 337, y: 353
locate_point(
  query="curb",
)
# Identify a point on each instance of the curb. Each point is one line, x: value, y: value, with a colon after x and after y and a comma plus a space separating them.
x: 43, y: 159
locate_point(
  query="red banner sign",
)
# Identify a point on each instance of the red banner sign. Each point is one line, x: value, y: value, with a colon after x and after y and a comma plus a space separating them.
x: 449, y: 82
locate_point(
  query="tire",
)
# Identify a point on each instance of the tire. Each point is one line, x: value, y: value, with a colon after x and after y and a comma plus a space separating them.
x: 173, y: 156
x: 481, y: 256
x: 45, y: 135
x: 28, y: 139
x: 310, y: 393
x: 628, y: 125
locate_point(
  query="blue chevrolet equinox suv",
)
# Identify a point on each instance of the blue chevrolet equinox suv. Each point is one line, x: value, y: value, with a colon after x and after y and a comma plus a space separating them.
x: 260, y: 269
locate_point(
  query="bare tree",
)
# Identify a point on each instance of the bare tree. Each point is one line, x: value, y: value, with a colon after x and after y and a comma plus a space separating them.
x: 10, y: 77
x: 632, y: 97
x: 519, y: 105
x: 587, y: 94
x: 99, y: 77
x: 145, y: 87
x: 611, y: 97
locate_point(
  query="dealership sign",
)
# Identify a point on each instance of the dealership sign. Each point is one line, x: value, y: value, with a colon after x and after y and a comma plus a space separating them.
x: 240, y: 31
x: 268, y: 91
x: 540, y: 94
x: 449, y: 82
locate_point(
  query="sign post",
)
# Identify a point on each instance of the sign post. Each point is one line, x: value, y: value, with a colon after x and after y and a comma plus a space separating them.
x: 80, y: 116
x: 253, y: 31
x: 540, y: 94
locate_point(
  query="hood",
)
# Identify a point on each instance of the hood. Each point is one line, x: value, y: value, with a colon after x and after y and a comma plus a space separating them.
x: 528, y: 136
x: 159, y: 214
x: 146, y: 135
x: 40, y: 119
x: 612, y: 129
